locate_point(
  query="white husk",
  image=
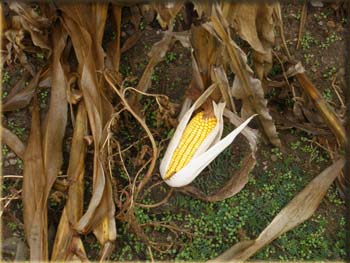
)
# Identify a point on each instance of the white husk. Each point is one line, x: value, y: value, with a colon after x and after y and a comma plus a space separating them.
x: 211, y: 147
x: 180, y: 129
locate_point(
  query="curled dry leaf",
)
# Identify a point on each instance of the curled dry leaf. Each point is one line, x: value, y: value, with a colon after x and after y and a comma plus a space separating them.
x: 246, y: 87
x: 206, y: 52
x: 253, y: 22
x: 299, y: 209
x: 14, y: 48
x: 33, y: 23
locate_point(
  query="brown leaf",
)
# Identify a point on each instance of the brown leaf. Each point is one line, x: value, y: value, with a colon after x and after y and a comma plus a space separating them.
x: 246, y: 87
x: 18, y: 99
x: 206, y: 52
x: 231, y: 187
x: 35, y: 24
x: 322, y: 106
x: 56, y: 118
x: 219, y: 76
x: 299, y: 209
x: 12, y: 141
x: 156, y: 54
x: 131, y: 41
x: 34, y: 189
x: 167, y: 12
x: 113, y: 48
x: 64, y: 245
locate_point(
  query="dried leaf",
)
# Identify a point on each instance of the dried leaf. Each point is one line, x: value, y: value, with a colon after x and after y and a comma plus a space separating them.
x: 131, y: 41
x: 231, y: 187
x: 322, y: 106
x: 254, y: 22
x: 64, y: 244
x: 12, y: 141
x: 302, y: 23
x: 21, y: 99
x: 167, y: 12
x: 113, y: 49
x: 34, y: 189
x: 56, y: 118
x: 156, y: 54
x: 248, y: 88
x: 219, y: 76
x: 206, y: 52
x: 35, y: 24
x: 299, y: 209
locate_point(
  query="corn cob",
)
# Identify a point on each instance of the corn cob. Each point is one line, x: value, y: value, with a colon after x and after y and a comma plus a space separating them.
x: 193, y: 136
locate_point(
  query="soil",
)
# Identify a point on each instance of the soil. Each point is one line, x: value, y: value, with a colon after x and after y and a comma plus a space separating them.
x: 321, y: 53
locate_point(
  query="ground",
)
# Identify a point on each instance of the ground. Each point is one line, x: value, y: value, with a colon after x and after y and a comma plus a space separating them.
x: 209, y: 228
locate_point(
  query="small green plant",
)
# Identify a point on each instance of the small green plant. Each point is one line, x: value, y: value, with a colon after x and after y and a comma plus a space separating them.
x: 142, y: 25
x: 4, y: 94
x: 19, y: 163
x: 114, y: 35
x: 307, y: 41
x: 277, y: 153
x: 13, y: 226
x: 40, y: 56
x: 170, y: 57
x: 308, y: 58
x: 5, y: 150
x: 327, y: 94
x: 329, y: 73
x: 125, y: 70
x: 19, y: 131
x: 5, y: 78
x: 329, y: 40
x: 325, y: 14
x: 155, y: 77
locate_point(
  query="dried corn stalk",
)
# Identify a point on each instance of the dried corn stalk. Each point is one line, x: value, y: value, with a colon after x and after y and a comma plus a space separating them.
x: 85, y: 25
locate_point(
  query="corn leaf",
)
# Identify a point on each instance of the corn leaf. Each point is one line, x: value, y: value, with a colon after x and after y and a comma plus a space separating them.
x: 56, y: 118
x: 34, y: 189
x: 66, y: 242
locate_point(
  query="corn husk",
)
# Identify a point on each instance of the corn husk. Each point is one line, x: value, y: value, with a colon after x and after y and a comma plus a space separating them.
x: 211, y: 147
